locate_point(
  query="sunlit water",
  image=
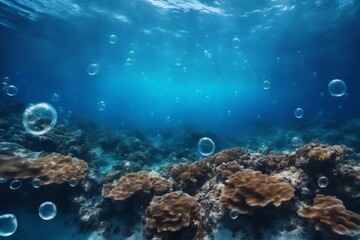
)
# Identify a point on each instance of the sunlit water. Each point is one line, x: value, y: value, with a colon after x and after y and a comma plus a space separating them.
x: 151, y: 64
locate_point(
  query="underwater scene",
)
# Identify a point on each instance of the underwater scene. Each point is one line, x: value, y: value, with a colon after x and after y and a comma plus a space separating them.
x: 179, y: 119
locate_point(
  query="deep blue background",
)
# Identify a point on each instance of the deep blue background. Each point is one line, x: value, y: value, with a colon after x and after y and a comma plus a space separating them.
x: 46, y: 48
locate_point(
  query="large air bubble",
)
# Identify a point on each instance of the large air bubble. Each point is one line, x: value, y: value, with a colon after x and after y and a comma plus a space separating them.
x: 206, y: 146
x: 8, y: 225
x: 337, y: 88
x: 39, y: 119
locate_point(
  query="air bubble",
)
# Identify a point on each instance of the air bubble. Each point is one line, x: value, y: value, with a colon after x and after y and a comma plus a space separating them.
x: 234, y: 214
x: 323, y: 181
x: 73, y: 182
x: 337, y: 88
x: 113, y: 39
x: 206, y: 146
x: 15, y: 184
x: 47, y: 210
x: 299, y: 113
x: 93, y: 69
x: 39, y: 119
x: 36, y: 183
x: 236, y: 42
x: 11, y: 90
x: 296, y: 142
x: 8, y: 225
x: 266, y: 85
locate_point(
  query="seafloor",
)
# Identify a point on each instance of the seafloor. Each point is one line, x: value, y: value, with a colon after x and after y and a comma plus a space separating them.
x: 155, y: 185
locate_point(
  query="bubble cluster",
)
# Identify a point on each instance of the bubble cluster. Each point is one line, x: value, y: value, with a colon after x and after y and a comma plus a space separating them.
x: 296, y: 142
x: 234, y: 214
x: 73, y: 182
x: 4, y: 83
x: 236, y: 42
x: 337, y: 88
x: 36, y: 183
x: 93, y: 69
x: 113, y: 39
x: 11, y: 90
x: 101, y: 105
x: 323, y: 181
x: 8, y: 225
x: 206, y: 146
x: 266, y: 85
x: 39, y: 119
x: 15, y: 184
x: 299, y: 113
x: 47, y: 210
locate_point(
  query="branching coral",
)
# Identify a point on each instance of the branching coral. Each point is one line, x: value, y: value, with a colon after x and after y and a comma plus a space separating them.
x: 329, y: 212
x: 174, y: 212
x: 132, y: 183
x: 53, y: 168
x: 248, y: 188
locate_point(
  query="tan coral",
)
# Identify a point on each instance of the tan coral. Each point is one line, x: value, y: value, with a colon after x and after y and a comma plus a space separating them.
x: 327, y: 153
x: 329, y: 212
x: 53, y: 168
x: 248, y: 188
x: 172, y: 212
x: 57, y: 168
x: 132, y: 183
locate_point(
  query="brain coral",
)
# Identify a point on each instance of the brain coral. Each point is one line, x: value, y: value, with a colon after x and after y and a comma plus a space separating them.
x: 53, y: 168
x: 248, y: 188
x: 329, y: 212
x: 132, y: 183
x: 171, y: 213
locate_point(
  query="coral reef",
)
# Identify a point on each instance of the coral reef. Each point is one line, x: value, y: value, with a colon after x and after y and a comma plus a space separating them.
x: 248, y: 188
x: 329, y: 213
x: 133, y: 183
x: 175, y: 215
x: 114, y: 195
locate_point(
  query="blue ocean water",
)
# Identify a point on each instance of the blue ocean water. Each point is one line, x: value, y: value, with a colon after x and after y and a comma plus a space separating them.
x: 177, y: 63
x: 136, y: 84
